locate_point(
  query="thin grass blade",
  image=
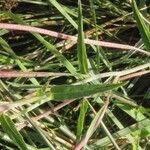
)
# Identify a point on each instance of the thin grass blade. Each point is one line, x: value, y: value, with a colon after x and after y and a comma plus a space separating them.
x: 82, y: 55
x: 100, y: 52
x: 49, y: 46
x: 11, y: 130
x: 7, y: 48
x: 63, y: 12
x: 81, y: 119
x: 143, y: 28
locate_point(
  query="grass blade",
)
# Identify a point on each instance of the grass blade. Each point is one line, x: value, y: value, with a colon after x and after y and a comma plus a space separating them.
x: 143, y: 28
x: 41, y: 133
x: 11, y: 130
x: 100, y: 52
x: 63, y: 12
x: 82, y: 55
x: 8, y: 49
x: 125, y: 131
x: 61, y: 93
x: 81, y: 119
x: 49, y: 46
x: 64, y: 92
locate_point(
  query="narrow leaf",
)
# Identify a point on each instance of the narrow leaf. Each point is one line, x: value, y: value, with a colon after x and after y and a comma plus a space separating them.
x: 63, y: 12
x: 64, y: 92
x: 7, y: 48
x: 143, y: 28
x: 81, y: 119
x: 11, y: 130
x: 82, y: 55
x: 49, y: 46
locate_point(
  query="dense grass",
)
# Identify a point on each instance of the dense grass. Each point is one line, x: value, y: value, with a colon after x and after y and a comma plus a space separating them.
x: 60, y: 90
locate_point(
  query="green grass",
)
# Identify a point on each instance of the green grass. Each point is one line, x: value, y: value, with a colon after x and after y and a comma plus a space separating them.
x: 80, y: 93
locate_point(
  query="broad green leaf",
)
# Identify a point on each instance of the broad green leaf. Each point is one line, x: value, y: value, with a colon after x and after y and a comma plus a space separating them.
x: 143, y: 28
x: 64, y: 92
x: 81, y: 119
x: 82, y: 55
x: 61, y: 93
x: 11, y: 130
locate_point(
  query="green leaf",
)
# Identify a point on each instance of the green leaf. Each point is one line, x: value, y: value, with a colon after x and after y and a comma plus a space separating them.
x: 8, y: 49
x: 99, y: 50
x: 81, y: 119
x: 41, y: 132
x: 143, y: 28
x: 12, y: 132
x: 123, y: 132
x: 82, y: 55
x: 63, y: 12
x: 92, y: 127
x: 64, y: 92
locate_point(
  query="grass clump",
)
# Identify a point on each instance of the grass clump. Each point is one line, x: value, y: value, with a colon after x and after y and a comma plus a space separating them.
x: 74, y: 74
